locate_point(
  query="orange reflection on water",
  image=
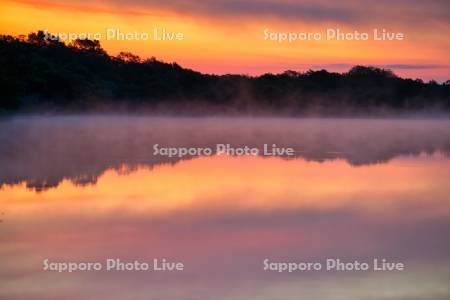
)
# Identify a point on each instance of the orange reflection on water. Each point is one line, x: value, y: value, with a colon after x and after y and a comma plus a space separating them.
x: 222, y: 216
x: 244, y: 183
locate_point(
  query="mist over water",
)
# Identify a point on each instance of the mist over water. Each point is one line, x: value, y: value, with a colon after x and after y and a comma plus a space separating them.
x: 42, y: 151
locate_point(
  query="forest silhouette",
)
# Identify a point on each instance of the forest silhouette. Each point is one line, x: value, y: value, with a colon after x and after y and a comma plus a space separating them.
x: 41, y: 74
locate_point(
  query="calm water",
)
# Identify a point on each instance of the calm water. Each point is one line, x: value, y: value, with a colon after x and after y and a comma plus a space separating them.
x: 85, y: 189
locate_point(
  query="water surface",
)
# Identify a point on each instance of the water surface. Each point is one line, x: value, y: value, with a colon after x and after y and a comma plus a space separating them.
x: 90, y: 188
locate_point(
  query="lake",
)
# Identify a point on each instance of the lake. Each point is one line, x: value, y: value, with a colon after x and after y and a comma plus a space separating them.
x: 88, y: 189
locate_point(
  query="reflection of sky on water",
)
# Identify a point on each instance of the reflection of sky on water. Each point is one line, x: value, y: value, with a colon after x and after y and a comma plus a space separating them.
x: 106, y: 197
x: 44, y: 151
x: 222, y: 216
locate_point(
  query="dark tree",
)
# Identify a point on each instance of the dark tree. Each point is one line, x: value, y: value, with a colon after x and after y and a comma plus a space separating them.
x: 39, y: 72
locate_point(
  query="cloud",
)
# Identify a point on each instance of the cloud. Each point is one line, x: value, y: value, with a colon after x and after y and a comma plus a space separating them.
x: 414, y: 66
x: 346, y: 11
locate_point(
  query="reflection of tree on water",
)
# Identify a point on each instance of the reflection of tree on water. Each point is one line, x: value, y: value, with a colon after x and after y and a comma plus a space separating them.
x: 44, y: 151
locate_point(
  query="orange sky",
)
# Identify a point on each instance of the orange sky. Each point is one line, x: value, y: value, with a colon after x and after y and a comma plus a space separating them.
x: 228, y: 36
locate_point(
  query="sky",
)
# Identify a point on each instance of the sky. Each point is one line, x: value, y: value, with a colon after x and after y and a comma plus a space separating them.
x: 246, y: 36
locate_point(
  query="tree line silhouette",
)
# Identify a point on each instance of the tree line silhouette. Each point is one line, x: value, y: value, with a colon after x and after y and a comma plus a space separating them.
x: 41, y: 74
